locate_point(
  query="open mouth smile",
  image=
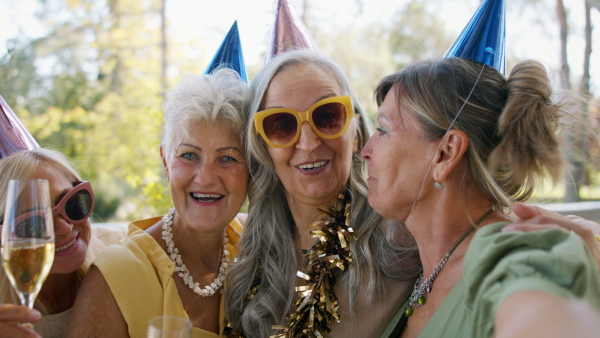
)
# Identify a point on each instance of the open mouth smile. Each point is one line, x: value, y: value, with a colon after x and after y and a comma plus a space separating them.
x: 207, y: 197
x: 66, y: 246
x: 312, y: 166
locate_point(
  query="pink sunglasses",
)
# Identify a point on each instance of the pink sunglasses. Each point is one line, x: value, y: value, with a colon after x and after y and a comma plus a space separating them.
x: 75, y: 207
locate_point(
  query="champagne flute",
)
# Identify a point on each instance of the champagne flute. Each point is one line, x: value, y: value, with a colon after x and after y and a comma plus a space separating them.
x: 28, y: 237
x: 169, y: 327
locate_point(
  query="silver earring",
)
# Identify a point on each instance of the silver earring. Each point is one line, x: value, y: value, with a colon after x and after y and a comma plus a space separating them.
x: 437, y: 185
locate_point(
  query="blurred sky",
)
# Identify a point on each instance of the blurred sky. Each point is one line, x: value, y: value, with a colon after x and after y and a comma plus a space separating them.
x: 208, y: 21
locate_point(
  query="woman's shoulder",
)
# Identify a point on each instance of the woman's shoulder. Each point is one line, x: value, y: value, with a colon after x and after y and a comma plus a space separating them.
x: 490, y: 240
x: 108, y: 234
x: 491, y: 246
x: 498, y: 263
x: 137, y: 251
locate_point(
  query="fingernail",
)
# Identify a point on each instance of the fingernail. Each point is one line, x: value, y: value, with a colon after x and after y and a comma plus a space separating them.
x: 36, y: 315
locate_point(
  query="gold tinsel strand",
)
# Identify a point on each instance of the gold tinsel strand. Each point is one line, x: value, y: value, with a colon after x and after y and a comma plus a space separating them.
x: 317, y: 304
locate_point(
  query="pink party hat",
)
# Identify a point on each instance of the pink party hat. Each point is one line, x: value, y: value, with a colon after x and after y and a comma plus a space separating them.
x: 289, y: 32
x: 14, y: 136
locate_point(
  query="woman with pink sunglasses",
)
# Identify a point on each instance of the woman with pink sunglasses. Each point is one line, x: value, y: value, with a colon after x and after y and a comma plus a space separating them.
x: 77, y: 243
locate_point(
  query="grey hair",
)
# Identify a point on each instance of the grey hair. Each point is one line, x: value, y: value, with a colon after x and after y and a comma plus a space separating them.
x: 207, y: 98
x: 512, y: 123
x: 22, y: 165
x: 267, y: 249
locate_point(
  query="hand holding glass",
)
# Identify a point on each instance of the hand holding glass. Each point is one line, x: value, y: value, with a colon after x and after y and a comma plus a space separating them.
x: 28, y: 237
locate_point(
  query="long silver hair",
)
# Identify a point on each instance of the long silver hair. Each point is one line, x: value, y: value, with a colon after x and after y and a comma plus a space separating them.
x: 268, y: 253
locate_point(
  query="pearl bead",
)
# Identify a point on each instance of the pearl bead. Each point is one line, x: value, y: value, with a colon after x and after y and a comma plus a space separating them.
x: 181, y: 269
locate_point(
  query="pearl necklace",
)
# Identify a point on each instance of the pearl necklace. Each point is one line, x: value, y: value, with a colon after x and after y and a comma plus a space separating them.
x: 182, y: 270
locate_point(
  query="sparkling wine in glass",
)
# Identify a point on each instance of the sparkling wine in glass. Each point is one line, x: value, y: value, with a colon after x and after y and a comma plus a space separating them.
x: 28, y: 237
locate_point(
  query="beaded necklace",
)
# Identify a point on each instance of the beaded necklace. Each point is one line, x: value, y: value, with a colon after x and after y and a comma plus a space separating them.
x: 182, y: 270
x: 417, y: 298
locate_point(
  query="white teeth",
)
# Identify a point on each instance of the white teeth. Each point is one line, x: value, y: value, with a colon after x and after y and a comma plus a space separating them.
x: 66, y: 246
x: 213, y: 196
x: 312, y: 165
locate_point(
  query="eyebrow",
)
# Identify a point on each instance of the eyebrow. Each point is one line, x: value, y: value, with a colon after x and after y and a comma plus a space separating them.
x: 189, y: 145
x: 218, y: 149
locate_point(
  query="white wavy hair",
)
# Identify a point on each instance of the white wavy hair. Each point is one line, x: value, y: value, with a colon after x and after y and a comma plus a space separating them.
x: 207, y: 98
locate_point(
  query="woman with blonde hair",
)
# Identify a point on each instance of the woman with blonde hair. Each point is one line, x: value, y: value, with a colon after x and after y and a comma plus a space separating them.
x: 77, y: 242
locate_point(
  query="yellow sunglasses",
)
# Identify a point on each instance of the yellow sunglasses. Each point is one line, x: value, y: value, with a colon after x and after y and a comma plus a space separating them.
x: 328, y: 118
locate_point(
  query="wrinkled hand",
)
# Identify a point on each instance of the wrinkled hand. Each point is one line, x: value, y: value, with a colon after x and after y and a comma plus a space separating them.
x: 532, y: 218
x: 10, y: 313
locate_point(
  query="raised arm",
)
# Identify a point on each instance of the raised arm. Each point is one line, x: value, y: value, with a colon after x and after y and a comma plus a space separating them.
x: 96, y: 313
x: 540, y: 314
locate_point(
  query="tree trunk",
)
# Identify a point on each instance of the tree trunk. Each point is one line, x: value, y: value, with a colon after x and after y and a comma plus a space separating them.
x: 565, y: 72
x: 585, y: 92
x: 585, y: 80
x: 573, y: 177
x: 163, y: 49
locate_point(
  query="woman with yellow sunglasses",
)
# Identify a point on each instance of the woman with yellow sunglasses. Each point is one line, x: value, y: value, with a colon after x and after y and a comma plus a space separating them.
x: 303, y: 144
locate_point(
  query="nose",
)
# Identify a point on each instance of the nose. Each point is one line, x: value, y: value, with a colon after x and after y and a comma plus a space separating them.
x: 207, y: 174
x: 367, y: 151
x: 308, y: 140
x: 61, y: 226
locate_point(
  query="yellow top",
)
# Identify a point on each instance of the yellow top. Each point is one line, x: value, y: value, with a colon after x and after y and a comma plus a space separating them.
x: 139, y: 274
x: 102, y: 236
x: 57, y: 324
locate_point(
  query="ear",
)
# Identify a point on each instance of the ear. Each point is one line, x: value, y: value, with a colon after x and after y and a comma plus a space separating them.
x: 164, y: 161
x: 451, y: 151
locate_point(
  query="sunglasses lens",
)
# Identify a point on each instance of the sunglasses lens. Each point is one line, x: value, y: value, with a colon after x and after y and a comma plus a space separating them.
x: 330, y: 118
x: 31, y: 227
x: 280, y: 128
x: 78, y: 206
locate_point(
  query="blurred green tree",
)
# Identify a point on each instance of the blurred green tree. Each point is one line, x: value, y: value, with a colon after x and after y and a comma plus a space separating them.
x: 92, y: 90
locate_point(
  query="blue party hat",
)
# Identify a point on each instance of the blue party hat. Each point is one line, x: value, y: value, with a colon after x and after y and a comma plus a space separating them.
x: 483, y: 38
x: 14, y: 137
x: 289, y: 32
x: 230, y: 54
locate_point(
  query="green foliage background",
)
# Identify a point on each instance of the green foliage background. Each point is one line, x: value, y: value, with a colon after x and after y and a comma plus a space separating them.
x: 91, y: 87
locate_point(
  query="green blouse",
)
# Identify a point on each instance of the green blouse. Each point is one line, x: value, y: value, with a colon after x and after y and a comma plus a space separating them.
x: 498, y: 265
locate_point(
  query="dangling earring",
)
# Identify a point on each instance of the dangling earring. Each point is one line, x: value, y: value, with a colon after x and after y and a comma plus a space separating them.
x: 437, y: 185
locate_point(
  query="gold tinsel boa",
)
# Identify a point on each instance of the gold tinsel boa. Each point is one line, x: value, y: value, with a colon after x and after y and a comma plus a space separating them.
x: 317, y: 304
